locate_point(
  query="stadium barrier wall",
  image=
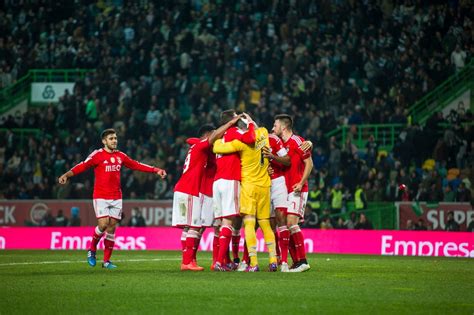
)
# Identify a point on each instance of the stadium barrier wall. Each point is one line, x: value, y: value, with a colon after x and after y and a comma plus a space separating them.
x: 434, y: 214
x: 397, y: 243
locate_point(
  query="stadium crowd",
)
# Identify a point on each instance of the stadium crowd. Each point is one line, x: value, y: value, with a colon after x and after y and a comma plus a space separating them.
x: 162, y: 69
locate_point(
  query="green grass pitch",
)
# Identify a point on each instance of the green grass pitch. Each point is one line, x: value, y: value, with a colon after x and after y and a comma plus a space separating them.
x: 150, y: 282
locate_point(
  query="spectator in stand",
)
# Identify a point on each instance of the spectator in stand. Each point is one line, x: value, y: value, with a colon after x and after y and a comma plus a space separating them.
x: 351, y: 222
x: 310, y: 218
x: 458, y: 58
x: 451, y: 224
x: 60, y: 219
x: 75, y: 219
x: 48, y: 218
x: 421, y: 226
x: 137, y: 219
x: 363, y: 223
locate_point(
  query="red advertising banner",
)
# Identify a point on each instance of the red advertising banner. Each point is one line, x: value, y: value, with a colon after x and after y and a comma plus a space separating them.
x: 390, y: 243
x: 434, y: 215
x: 31, y: 212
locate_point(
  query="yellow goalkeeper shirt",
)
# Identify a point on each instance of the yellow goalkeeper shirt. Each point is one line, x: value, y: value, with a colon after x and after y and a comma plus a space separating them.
x: 254, y: 165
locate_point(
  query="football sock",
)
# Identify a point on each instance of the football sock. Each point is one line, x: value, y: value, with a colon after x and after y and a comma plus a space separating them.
x: 251, y: 239
x: 215, y: 248
x: 298, y: 239
x: 284, y: 242
x: 246, y: 254
x: 292, y: 249
x: 183, y: 239
x: 235, y: 243
x: 269, y: 237
x: 196, y: 245
x: 277, y: 245
x: 109, y: 243
x: 224, y: 240
x: 190, y: 244
x: 96, y: 238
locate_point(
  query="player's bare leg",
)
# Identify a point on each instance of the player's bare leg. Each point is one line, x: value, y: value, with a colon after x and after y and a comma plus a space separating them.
x: 109, y: 242
x: 298, y: 238
x: 191, y: 241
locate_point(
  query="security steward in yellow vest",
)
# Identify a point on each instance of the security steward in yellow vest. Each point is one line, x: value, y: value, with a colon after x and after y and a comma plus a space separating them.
x: 315, y: 197
x: 359, y: 199
x: 336, y: 198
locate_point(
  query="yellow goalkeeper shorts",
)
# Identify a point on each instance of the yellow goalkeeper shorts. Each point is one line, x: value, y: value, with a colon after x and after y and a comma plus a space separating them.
x: 255, y: 200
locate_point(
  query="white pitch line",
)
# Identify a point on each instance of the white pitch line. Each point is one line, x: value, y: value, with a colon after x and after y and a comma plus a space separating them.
x: 82, y: 261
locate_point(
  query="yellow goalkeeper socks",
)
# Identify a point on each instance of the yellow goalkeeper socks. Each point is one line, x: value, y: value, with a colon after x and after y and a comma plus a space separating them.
x: 251, y: 239
x: 269, y: 237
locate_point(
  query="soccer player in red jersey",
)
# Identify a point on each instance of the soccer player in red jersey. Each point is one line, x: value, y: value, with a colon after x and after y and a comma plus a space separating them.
x: 296, y: 179
x: 187, y: 208
x: 226, y: 192
x: 107, y: 197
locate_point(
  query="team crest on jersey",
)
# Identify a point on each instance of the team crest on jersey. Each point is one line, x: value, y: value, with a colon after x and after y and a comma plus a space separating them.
x: 112, y: 159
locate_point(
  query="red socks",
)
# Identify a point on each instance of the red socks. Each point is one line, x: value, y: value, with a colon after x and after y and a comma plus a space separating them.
x: 298, y: 239
x: 235, y: 244
x: 224, y: 240
x: 96, y: 238
x: 284, y: 240
x: 109, y: 243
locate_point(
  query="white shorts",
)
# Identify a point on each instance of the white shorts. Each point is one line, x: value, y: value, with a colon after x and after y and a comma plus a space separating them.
x: 297, y: 203
x: 186, y: 210
x: 226, y: 196
x: 108, y: 208
x: 207, y: 210
x: 278, y: 194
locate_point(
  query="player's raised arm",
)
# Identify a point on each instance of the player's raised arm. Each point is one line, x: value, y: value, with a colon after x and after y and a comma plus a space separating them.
x: 137, y: 166
x: 219, y: 132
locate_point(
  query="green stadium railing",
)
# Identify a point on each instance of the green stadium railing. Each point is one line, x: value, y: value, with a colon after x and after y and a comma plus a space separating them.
x: 443, y: 94
x: 20, y: 91
x: 383, y: 215
x: 385, y: 135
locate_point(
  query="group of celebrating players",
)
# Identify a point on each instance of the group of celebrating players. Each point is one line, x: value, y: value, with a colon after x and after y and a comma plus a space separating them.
x: 237, y: 174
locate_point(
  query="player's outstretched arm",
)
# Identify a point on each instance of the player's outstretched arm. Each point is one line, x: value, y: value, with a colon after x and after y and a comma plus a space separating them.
x: 227, y: 147
x: 137, y: 166
x: 219, y: 132
x: 63, y: 178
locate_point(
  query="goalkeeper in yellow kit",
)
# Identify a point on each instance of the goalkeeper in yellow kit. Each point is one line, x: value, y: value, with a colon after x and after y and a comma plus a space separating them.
x: 255, y: 191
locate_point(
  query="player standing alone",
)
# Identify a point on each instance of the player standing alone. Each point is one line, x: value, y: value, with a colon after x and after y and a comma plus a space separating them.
x: 107, y: 197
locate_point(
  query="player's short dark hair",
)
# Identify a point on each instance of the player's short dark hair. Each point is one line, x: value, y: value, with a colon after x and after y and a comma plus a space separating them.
x: 286, y: 120
x: 107, y: 132
x: 227, y: 116
x: 205, y: 129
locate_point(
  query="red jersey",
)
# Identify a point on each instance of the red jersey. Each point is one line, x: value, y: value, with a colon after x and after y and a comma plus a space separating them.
x: 209, y: 173
x: 107, y: 168
x: 276, y: 145
x: 297, y: 156
x: 228, y: 165
x: 193, y: 169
